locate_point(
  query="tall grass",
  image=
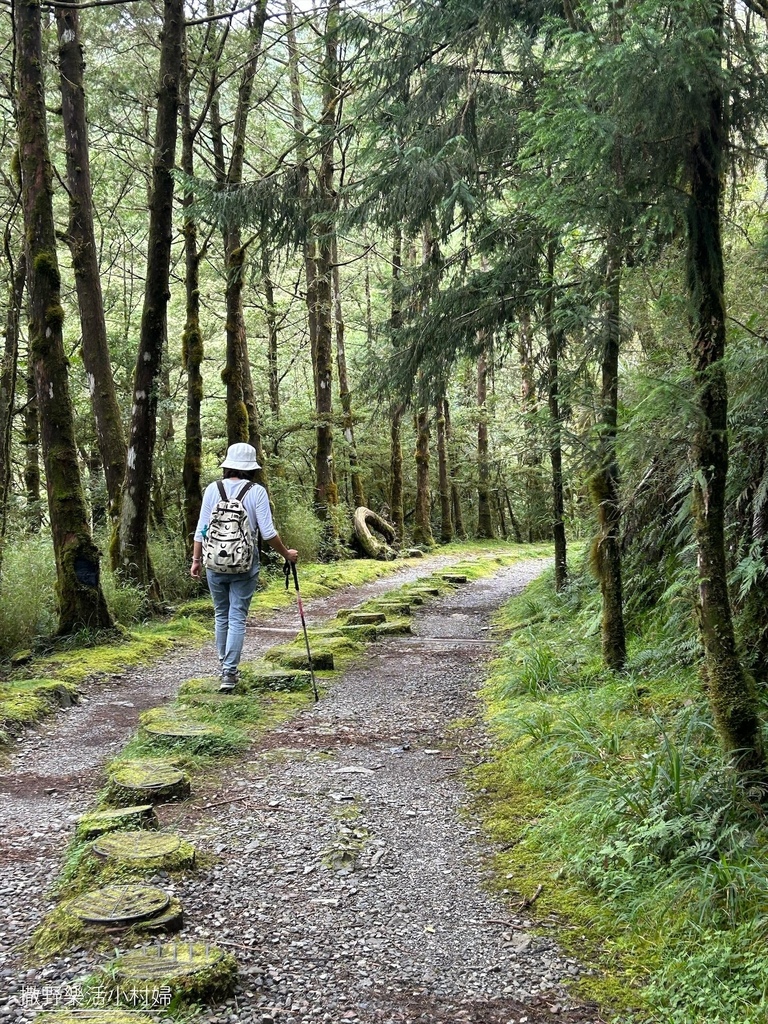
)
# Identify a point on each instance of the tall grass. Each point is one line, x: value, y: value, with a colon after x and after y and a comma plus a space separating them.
x: 656, y: 844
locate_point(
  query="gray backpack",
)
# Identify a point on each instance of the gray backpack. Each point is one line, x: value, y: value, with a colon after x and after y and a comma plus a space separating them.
x: 229, y: 545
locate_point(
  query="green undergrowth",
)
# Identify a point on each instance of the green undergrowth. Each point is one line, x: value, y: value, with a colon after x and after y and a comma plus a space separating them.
x: 24, y: 701
x: 610, y: 803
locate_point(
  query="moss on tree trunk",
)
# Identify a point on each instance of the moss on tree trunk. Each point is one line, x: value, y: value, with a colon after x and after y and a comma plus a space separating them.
x: 81, y: 601
x: 132, y: 538
x: 732, y: 692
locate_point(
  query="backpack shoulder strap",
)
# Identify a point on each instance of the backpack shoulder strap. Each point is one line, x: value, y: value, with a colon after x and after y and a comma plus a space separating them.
x: 222, y: 491
x: 244, y: 490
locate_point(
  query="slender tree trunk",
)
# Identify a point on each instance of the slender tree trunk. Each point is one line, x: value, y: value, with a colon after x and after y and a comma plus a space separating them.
x: 358, y: 494
x: 326, y: 496
x: 446, y: 518
x: 396, y: 474
x: 457, y: 514
x: 604, y: 483
x: 82, y: 244
x: 484, y: 517
x: 554, y: 349
x: 271, y: 316
x: 8, y: 383
x: 192, y: 338
x: 513, y: 519
x: 422, y: 525
x: 34, y: 511
x: 731, y: 689
x: 302, y: 161
x: 133, y: 555
x: 81, y: 603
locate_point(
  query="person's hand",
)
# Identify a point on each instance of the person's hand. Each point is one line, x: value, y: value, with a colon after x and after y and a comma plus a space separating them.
x: 196, y: 568
x: 292, y: 555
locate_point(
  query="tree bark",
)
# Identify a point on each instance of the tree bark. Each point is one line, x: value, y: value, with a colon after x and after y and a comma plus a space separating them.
x: 302, y: 163
x: 446, y: 517
x: 192, y: 338
x: 82, y: 243
x: 554, y: 349
x: 457, y: 514
x: 133, y: 555
x: 81, y: 603
x: 396, y: 474
x: 358, y: 494
x: 604, y: 482
x: 326, y: 496
x: 34, y: 510
x: 273, y: 368
x: 8, y: 382
x: 732, y: 691
x: 484, y: 516
x: 422, y: 525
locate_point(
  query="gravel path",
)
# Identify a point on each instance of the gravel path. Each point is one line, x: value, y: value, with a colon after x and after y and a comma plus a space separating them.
x: 347, y: 880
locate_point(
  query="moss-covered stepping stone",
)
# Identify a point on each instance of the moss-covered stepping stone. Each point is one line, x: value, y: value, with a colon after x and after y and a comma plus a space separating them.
x: 397, y: 627
x: 94, y: 1017
x: 365, y: 618
x: 170, y: 920
x: 96, y: 823
x: 142, y: 847
x: 194, y: 972
x: 276, y: 679
x: 414, y: 553
x: 148, y: 780
x: 428, y: 591
x: 454, y: 577
x: 321, y: 660
x: 394, y: 607
x: 117, y: 906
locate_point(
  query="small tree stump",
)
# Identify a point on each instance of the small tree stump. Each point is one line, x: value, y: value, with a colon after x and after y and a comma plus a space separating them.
x: 120, y: 906
x: 193, y: 972
x: 148, y: 781
x: 96, y: 823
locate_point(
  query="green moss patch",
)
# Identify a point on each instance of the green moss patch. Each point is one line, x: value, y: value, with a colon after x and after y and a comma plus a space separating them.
x: 25, y: 701
x: 193, y: 972
x: 96, y: 823
x: 149, y: 781
x: 86, y: 1016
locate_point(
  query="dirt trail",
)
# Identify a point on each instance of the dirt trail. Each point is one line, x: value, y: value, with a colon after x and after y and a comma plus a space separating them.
x: 348, y: 879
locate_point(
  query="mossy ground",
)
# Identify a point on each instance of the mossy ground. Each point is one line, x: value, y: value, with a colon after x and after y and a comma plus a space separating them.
x: 609, y: 800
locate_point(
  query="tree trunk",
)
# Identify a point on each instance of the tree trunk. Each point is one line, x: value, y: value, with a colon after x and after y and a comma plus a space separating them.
x: 446, y: 519
x: 484, y: 517
x: 302, y: 161
x: 81, y: 603
x: 133, y: 556
x: 396, y: 473
x: 82, y: 244
x: 192, y: 339
x: 273, y: 368
x: 554, y: 349
x: 326, y: 496
x: 604, y: 483
x: 34, y: 510
x: 731, y: 689
x: 457, y: 514
x: 422, y: 525
x: 8, y: 383
x: 358, y: 494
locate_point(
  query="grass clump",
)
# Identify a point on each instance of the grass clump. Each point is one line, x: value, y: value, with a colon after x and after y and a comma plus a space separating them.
x: 611, y: 792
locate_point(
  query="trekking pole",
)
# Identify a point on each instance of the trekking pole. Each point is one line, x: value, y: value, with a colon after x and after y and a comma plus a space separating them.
x: 287, y: 568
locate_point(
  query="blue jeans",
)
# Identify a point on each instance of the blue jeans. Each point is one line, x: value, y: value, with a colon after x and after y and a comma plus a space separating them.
x: 231, y: 600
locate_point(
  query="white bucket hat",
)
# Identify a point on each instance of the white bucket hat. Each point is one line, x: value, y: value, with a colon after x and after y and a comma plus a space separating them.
x: 240, y: 456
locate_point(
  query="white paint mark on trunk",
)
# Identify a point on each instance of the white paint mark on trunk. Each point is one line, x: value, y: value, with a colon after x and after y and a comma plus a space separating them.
x: 132, y: 457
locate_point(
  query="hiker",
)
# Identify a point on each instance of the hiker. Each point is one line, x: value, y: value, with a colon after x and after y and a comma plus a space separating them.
x: 235, y: 513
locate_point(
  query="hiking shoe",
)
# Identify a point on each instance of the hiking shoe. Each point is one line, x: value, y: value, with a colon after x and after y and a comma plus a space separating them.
x: 228, y: 682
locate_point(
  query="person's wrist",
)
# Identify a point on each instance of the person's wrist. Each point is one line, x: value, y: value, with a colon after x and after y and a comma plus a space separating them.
x: 195, y: 559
